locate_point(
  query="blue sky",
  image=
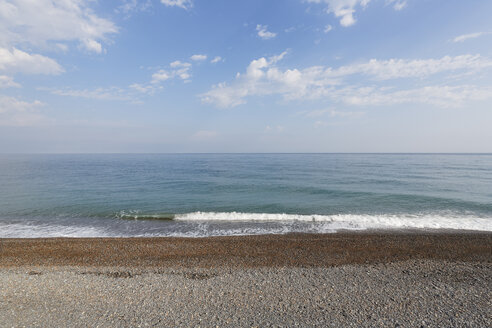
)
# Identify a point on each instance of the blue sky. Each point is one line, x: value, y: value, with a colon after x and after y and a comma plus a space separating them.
x: 245, y: 76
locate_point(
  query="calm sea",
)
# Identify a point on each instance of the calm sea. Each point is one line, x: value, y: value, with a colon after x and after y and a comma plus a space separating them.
x: 236, y: 194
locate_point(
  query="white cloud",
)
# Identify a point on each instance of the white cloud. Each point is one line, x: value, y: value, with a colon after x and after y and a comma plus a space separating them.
x: 160, y: 76
x: 263, y: 77
x: 47, y: 25
x: 131, y: 93
x: 250, y: 83
x: 8, y: 82
x: 146, y: 89
x: 185, y: 4
x: 164, y: 75
x: 44, y: 23
x: 264, y: 33
x: 92, y: 46
x: 328, y: 28
x: 15, y: 112
x: 441, y: 96
x: 16, y: 60
x: 11, y: 104
x: 182, y: 73
x: 465, y: 37
x: 216, y: 59
x: 397, y: 4
x: 129, y: 6
x: 198, y: 57
x: 345, y: 9
x: 331, y: 113
x: 403, y: 68
x: 111, y: 93
x: 178, y: 69
x: 178, y: 63
x: 61, y: 47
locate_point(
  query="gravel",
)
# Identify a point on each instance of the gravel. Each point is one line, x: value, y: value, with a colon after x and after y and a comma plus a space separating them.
x: 412, y: 293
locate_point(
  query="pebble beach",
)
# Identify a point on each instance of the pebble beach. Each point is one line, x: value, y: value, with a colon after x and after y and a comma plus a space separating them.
x: 345, y: 279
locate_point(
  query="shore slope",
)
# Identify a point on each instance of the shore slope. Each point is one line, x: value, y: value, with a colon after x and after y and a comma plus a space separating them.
x: 337, y: 280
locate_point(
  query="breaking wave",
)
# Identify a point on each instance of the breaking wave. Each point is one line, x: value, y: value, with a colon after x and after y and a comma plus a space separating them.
x: 354, y: 221
x: 206, y: 224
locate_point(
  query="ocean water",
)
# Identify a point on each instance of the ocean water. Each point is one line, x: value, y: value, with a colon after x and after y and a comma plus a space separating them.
x: 199, y: 195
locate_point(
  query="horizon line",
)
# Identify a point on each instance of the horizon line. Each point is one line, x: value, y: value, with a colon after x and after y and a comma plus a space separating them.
x: 250, y: 153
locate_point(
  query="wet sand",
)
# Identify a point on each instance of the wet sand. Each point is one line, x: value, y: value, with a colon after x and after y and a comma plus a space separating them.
x: 336, y: 280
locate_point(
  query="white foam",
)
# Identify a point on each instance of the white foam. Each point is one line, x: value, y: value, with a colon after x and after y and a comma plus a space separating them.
x: 353, y: 221
x: 20, y: 230
x: 204, y: 224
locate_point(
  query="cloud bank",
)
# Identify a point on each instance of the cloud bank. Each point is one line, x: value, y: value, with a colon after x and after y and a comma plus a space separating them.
x: 46, y: 23
x: 263, y: 77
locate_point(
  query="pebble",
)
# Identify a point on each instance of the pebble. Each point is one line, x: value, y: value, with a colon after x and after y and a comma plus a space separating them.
x: 427, y: 293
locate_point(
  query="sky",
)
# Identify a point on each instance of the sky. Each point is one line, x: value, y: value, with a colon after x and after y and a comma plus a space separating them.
x: 158, y: 76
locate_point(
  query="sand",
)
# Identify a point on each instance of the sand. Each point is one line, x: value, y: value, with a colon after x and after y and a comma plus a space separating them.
x: 345, y: 279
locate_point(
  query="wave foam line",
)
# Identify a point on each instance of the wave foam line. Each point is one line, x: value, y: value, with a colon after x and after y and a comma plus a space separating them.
x: 19, y: 230
x: 353, y: 221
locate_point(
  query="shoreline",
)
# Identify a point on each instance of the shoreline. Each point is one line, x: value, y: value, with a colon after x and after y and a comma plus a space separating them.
x: 333, y: 280
x: 289, y: 250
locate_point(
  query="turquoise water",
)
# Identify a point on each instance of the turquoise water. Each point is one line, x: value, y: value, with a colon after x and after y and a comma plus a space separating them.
x: 229, y: 194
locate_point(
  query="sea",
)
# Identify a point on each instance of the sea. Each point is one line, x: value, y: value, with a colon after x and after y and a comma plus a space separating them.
x: 200, y: 195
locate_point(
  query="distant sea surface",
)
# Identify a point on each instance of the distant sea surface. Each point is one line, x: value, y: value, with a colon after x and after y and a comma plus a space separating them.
x: 197, y: 195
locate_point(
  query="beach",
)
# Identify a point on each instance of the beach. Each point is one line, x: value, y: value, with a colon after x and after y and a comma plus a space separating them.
x: 187, y: 163
x: 407, y: 279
